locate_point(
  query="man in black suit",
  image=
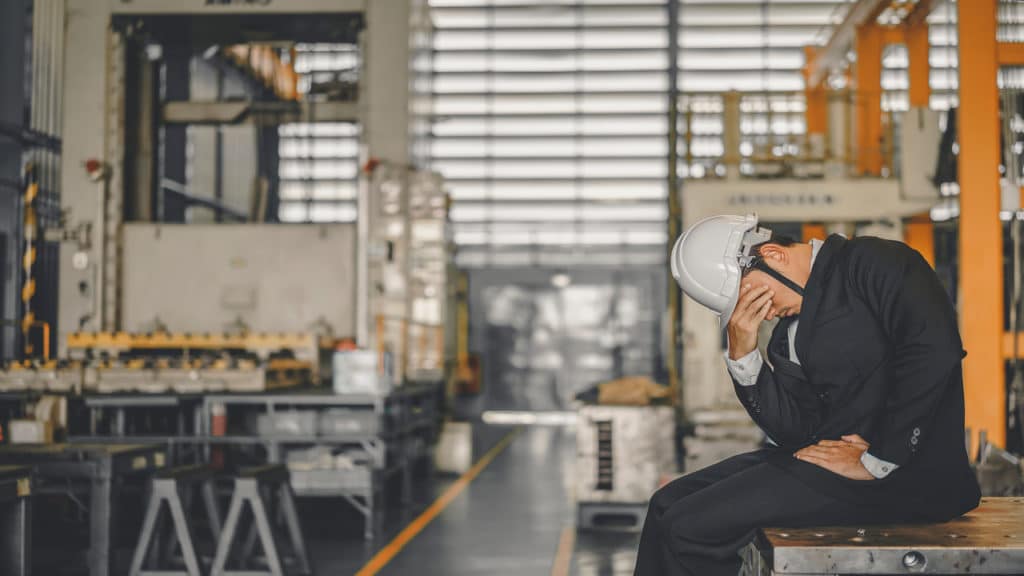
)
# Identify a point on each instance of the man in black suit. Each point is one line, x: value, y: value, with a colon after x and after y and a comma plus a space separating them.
x: 860, y: 395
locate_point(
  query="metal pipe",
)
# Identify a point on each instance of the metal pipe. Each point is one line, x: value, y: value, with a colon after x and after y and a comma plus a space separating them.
x: 100, y: 233
x: 675, y: 215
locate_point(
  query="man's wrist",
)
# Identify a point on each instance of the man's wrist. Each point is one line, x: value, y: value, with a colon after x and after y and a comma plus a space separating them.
x: 876, y: 466
x: 738, y: 355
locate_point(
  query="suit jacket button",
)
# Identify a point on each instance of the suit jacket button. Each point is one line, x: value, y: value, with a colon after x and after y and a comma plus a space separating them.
x: 917, y: 431
x: 913, y: 439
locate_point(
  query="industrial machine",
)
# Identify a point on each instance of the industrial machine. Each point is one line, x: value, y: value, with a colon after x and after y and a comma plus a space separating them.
x: 182, y: 299
x: 147, y: 305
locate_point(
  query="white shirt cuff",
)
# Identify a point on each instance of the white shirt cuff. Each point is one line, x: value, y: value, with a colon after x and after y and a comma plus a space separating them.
x: 877, y: 467
x: 745, y: 369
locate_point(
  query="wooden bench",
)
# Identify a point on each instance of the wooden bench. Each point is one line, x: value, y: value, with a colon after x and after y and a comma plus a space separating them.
x: 988, y: 540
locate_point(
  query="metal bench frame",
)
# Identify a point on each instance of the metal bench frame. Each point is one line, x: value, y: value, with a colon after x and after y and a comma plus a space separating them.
x: 255, y: 487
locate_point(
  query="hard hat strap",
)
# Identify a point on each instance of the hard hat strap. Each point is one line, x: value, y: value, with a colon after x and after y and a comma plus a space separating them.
x: 760, y: 264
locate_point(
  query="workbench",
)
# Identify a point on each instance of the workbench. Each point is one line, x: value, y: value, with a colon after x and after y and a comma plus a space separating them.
x: 98, y: 468
x: 15, y: 520
x: 988, y: 540
x: 409, y: 418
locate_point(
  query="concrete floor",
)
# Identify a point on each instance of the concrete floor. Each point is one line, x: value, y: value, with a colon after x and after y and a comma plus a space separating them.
x: 508, y: 522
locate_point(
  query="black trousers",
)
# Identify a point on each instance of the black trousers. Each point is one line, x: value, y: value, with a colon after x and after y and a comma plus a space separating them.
x: 696, y: 525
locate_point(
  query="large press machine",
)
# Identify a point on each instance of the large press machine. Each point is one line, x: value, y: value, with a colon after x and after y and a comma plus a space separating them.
x: 242, y: 306
x: 217, y: 343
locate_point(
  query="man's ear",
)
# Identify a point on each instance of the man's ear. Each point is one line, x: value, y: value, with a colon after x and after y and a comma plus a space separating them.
x: 774, y: 252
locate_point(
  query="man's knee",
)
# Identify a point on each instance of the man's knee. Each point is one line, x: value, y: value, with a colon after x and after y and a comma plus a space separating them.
x: 693, y: 526
x: 693, y: 520
x: 660, y: 501
x: 664, y: 497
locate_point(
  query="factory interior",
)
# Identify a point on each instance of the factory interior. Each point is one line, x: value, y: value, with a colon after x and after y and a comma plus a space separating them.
x: 358, y: 287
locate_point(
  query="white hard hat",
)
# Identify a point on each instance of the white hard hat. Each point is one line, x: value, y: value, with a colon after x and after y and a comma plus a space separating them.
x: 708, y: 259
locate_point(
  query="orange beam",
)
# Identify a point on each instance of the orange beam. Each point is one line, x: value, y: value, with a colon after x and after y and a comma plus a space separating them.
x: 817, y: 101
x: 918, y: 68
x: 893, y: 35
x: 919, y: 234
x: 814, y: 232
x: 869, y: 100
x: 981, y: 240
x: 1010, y: 53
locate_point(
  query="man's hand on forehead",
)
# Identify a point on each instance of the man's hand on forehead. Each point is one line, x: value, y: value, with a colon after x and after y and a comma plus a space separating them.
x: 752, y: 308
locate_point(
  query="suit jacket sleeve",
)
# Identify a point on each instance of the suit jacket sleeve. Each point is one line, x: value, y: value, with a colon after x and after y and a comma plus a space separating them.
x: 920, y: 325
x: 786, y: 417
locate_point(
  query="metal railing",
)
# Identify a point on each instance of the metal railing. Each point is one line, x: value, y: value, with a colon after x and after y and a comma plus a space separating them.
x: 765, y: 133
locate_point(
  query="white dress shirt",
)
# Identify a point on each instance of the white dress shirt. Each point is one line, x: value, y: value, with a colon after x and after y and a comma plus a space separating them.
x: 745, y: 371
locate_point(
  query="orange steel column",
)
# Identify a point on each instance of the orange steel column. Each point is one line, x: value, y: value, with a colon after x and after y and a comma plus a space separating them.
x: 919, y: 234
x: 869, y: 99
x: 816, y: 113
x: 918, y: 68
x: 981, y: 241
x: 813, y: 231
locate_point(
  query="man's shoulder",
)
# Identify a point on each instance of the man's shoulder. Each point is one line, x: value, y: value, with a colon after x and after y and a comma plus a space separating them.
x: 871, y: 252
x: 874, y: 245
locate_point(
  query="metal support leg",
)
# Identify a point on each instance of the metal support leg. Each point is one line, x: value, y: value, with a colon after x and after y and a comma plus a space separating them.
x: 267, y: 539
x: 24, y: 552
x: 165, y: 491
x: 248, y: 548
x: 146, y: 535
x: 227, y: 536
x: 212, y: 508
x: 247, y: 491
x: 181, y: 528
x: 100, y: 519
x: 172, y: 535
x: 15, y: 529
x: 286, y: 501
x: 376, y: 504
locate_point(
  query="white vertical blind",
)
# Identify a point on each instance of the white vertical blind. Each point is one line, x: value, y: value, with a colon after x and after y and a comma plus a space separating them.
x: 319, y: 162
x: 549, y: 119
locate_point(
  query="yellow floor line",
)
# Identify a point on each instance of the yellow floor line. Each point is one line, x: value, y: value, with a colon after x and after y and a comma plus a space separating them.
x: 563, y: 558
x: 387, y: 553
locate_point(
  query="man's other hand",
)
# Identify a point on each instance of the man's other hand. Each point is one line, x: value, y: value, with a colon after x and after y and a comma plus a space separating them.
x: 752, y: 308
x: 840, y: 457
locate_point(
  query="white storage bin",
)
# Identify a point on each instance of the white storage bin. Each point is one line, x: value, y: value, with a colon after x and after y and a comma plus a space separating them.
x: 622, y: 452
x: 287, y: 424
x: 339, y: 422
x: 358, y: 372
x: 454, y: 452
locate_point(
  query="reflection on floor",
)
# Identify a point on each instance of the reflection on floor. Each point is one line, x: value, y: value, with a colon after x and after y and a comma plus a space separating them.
x: 507, y: 522
x: 604, y: 554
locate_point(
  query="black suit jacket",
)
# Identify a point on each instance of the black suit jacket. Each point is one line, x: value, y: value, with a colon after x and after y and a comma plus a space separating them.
x: 881, y: 357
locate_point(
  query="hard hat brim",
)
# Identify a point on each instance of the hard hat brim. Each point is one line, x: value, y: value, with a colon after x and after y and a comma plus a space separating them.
x: 717, y: 287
